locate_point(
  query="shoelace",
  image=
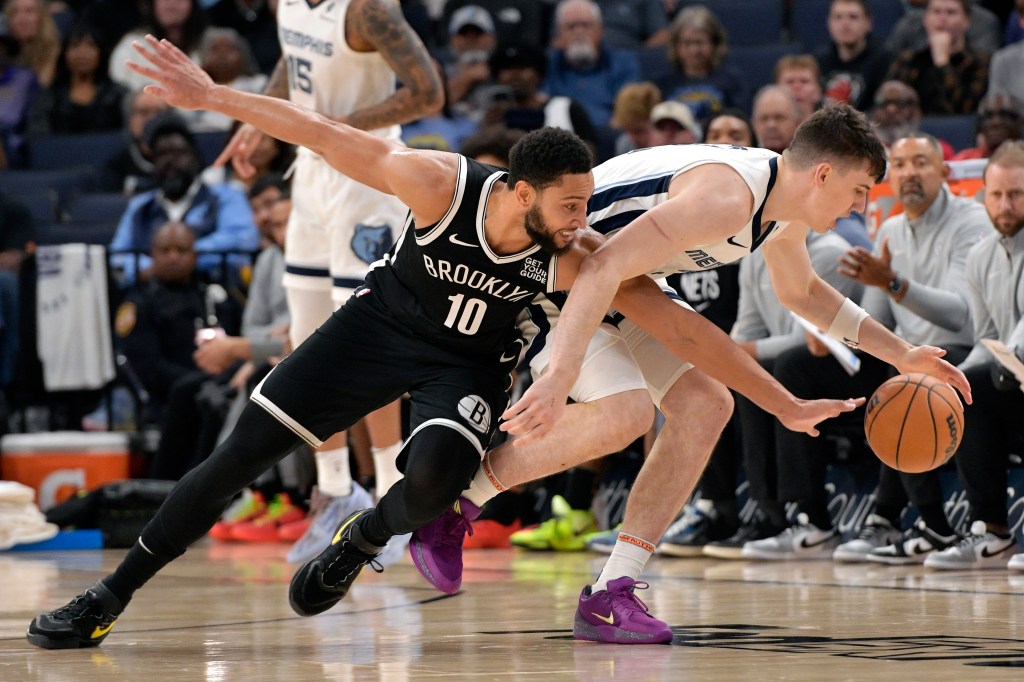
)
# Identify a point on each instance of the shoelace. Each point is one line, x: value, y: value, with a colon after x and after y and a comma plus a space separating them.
x: 456, y: 526
x: 81, y: 606
x: 628, y: 595
x: 346, y: 564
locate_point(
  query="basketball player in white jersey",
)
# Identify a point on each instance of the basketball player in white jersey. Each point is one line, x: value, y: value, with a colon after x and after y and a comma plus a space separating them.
x: 680, y: 209
x: 341, y: 58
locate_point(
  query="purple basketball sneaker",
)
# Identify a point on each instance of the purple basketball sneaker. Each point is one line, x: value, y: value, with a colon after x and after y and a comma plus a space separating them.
x: 617, y: 615
x: 436, y: 548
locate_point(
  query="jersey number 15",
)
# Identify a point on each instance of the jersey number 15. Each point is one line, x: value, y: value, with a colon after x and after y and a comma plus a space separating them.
x: 299, y: 74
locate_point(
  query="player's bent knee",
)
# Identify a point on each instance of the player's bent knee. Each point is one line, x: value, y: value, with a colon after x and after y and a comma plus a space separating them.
x: 627, y: 416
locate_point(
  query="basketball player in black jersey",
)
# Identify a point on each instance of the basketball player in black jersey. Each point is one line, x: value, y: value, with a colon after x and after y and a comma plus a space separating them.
x: 435, y: 318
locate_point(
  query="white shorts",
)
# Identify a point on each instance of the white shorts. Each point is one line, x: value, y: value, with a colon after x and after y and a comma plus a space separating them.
x: 618, y: 359
x: 337, y: 228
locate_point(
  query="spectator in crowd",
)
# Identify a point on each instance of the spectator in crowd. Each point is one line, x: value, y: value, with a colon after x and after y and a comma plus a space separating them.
x: 441, y: 130
x: 673, y: 123
x: 270, y: 156
x: 225, y: 55
x: 160, y: 326
x: 629, y: 24
x: 998, y: 120
x: 82, y: 99
x: 897, y: 113
x: 1006, y: 68
x: 632, y: 115
x: 515, y: 21
x: 254, y: 20
x: 16, y: 236
x: 914, y: 283
x: 697, y: 49
x: 853, y: 64
x: 182, y: 22
x: 218, y: 215
x: 31, y: 24
x: 992, y: 423
x: 471, y: 42
x: 263, y: 196
x: 130, y: 169
x: 729, y: 126
x: 948, y: 75
x: 18, y: 91
x: 800, y: 75
x: 775, y: 118
x: 491, y: 145
x: 521, y: 69
x: 1014, y: 24
x: 910, y: 32
x: 581, y: 67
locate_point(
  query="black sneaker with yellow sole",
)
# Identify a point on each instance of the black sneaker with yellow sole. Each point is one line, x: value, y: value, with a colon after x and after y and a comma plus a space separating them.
x: 84, y: 622
x: 325, y: 580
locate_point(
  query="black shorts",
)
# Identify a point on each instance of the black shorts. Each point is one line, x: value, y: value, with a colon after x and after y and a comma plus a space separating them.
x: 361, y: 360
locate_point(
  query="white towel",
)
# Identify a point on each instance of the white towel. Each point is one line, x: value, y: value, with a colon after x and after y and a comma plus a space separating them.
x: 73, y: 317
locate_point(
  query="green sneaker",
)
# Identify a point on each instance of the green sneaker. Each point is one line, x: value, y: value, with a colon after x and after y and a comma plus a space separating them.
x: 563, y: 532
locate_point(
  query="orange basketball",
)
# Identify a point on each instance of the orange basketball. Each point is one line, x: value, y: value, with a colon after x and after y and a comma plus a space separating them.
x: 914, y: 422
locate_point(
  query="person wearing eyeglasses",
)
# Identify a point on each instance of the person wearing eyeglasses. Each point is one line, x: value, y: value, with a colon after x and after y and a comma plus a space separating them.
x: 999, y: 120
x: 897, y: 113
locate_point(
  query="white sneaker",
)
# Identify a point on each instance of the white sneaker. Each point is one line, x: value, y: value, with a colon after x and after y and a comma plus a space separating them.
x: 980, y: 548
x: 1016, y: 562
x: 394, y: 550
x: 326, y: 520
x: 876, y: 532
x: 915, y: 545
x: 801, y: 541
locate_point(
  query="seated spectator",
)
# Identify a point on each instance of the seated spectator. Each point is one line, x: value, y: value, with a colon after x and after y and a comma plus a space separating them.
x: 897, y: 114
x: 580, y: 67
x: 16, y: 236
x: 950, y: 77
x: 18, y: 91
x: 632, y: 115
x: 999, y: 120
x: 182, y: 22
x: 218, y: 215
x: 521, y: 70
x: 491, y: 145
x: 443, y: 130
x: 225, y: 55
x: 82, y: 99
x: 471, y: 42
x: 697, y: 50
x: 853, y: 64
x: 263, y: 195
x: 523, y: 22
x: 31, y: 24
x: 983, y: 35
x: 161, y: 323
x: 775, y: 118
x: 130, y: 169
x: 1007, y: 66
x: 799, y: 74
x: 629, y: 24
x: 673, y: 123
x: 729, y: 126
x: 254, y: 20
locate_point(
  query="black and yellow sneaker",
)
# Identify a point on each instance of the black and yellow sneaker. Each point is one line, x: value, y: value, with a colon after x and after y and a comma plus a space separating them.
x: 84, y: 622
x: 324, y: 580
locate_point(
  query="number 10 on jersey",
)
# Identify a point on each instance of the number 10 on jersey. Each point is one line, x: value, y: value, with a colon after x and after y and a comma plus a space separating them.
x: 466, y: 315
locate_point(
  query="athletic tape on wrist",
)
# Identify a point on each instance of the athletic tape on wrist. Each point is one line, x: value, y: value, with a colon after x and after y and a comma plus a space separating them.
x: 846, y: 325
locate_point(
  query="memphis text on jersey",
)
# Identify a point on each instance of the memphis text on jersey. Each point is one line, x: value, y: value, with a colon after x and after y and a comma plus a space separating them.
x: 304, y: 41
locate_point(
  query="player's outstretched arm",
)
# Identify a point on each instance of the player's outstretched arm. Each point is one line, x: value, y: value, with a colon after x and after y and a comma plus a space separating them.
x: 374, y: 161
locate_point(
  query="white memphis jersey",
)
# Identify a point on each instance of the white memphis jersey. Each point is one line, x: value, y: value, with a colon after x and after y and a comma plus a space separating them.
x: 324, y: 73
x: 631, y: 184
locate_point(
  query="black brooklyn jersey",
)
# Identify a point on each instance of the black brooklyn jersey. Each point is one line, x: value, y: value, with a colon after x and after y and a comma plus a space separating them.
x: 446, y: 285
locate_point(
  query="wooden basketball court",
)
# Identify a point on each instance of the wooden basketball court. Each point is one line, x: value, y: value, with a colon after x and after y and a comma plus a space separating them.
x: 221, y: 613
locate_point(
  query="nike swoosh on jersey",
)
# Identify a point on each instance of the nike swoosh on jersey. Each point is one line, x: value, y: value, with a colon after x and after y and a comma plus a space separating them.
x: 701, y: 306
x: 455, y: 240
x: 735, y: 243
x: 505, y: 358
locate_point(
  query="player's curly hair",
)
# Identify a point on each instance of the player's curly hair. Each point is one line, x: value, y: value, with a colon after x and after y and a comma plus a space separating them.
x: 543, y: 156
x: 840, y: 135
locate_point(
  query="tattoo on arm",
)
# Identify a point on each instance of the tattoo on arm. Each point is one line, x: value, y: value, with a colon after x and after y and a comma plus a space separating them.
x: 381, y: 24
x: 277, y: 84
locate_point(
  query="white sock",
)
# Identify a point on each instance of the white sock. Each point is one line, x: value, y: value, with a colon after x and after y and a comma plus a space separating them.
x: 386, y: 471
x: 628, y: 558
x: 332, y: 472
x: 484, y: 485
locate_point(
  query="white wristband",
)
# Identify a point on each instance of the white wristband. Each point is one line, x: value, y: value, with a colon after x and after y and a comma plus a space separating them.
x: 846, y: 325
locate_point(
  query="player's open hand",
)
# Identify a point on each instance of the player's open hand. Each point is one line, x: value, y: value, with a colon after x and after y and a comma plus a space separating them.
x: 179, y: 80
x: 534, y: 414
x: 809, y: 413
x: 928, y: 360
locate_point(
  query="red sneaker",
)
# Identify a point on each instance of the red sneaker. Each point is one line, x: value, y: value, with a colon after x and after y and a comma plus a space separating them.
x: 249, y: 506
x: 264, y: 528
x: 489, y: 534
